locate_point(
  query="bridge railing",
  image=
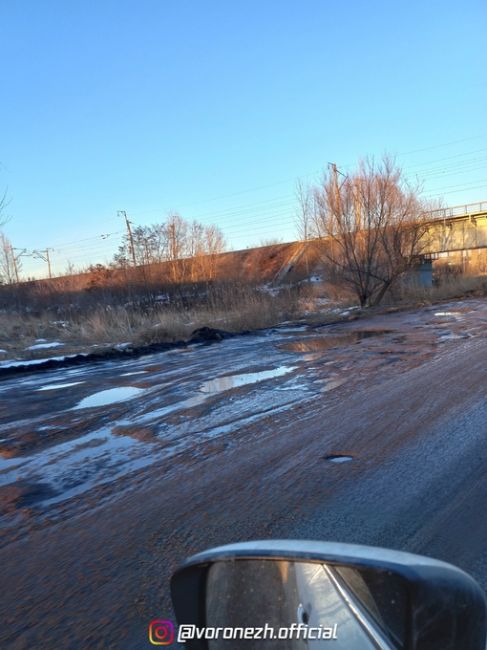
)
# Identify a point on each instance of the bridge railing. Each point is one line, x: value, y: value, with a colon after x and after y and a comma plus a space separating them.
x: 459, y: 210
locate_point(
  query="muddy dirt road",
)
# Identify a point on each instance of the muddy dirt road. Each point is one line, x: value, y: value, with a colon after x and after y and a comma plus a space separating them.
x: 111, y: 475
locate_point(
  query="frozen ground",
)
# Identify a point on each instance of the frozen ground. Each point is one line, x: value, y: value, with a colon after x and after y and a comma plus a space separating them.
x: 93, y: 441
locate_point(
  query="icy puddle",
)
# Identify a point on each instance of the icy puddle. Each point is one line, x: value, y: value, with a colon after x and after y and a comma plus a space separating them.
x: 110, y: 396
x: 104, y: 455
x: 56, y: 386
x: 73, y: 467
x: 338, y: 458
x: 213, y: 387
x: 222, y: 384
x: 333, y: 341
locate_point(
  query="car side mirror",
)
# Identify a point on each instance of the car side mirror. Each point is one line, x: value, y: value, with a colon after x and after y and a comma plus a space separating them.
x: 292, y: 595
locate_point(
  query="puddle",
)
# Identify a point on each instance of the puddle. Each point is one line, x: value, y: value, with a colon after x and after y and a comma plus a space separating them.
x: 22, y: 494
x: 135, y: 372
x: 328, y: 342
x: 234, y: 381
x: 110, y: 396
x: 338, y: 458
x: 73, y: 467
x: 56, y: 386
x: 210, y: 388
x: 447, y: 314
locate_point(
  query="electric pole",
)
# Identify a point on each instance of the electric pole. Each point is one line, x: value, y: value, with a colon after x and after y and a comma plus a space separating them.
x: 123, y: 214
x: 334, y: 172
x: 23, y: 252
x: 45, y: 257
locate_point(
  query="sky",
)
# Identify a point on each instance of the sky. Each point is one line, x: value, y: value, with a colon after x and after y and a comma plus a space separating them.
x: 216, y: 108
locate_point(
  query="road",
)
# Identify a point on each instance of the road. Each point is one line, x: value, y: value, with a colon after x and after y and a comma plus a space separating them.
x: 93, y: 530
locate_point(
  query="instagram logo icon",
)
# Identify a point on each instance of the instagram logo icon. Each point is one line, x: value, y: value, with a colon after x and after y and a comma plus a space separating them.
x: 161, y: 632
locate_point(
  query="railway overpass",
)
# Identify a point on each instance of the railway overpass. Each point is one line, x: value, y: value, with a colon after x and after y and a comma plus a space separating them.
x: 458, y: 228
x: 457, y: 238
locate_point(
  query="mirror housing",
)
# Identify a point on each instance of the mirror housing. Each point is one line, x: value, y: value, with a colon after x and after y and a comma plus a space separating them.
x: 442, y: 606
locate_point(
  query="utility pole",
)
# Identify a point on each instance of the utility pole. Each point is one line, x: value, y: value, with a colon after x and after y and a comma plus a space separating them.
x: 338, y: 206
x: 334, y: 172
x: 23, y: 252
x: 45, y: 257
x: 123, y: 214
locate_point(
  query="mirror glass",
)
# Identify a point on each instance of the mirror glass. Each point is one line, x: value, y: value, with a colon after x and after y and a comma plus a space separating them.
x: 304, y: 604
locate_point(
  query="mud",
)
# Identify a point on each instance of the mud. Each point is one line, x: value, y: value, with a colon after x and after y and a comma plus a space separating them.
x: 222, y: 443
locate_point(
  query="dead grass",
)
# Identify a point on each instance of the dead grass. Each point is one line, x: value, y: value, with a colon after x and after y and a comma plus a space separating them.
x: 457, y: 287
x: 234, y: 308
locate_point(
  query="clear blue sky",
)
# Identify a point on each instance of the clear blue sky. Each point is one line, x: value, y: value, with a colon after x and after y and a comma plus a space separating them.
x: 215, y: 108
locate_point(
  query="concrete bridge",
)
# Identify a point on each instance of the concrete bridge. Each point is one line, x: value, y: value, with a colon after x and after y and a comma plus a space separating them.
x: 461, y: 227
x: 459, y: 236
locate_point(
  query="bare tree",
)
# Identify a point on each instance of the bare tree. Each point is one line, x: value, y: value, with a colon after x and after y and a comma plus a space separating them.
x: 149, y: 246
x: 205, y: 243
x: 176, y: 229
x: 190, y: 248
x: 373, y: 224
x: 305, y: 212
x: 196, y: 249
x: 9, y: 265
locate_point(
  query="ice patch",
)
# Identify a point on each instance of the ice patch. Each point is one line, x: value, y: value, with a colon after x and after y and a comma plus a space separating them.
x: 45, y: 346
x: 338, y: 458
x: 55, y: 386
x: 18, y: 363
x: 122, y: 346
x: 110, y: 396
x: 234, y: 381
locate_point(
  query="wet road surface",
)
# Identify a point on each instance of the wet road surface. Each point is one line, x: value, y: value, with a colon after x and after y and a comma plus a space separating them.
x: 111, y: 475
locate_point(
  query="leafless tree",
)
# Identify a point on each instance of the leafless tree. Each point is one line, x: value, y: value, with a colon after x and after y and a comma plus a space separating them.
x: 190, y: 248
x: 9, y: 265
x: 205, y: 243
x: 305, y: 212
x: 176, y: 229
x: 373, y: 225
x: 214, y: 244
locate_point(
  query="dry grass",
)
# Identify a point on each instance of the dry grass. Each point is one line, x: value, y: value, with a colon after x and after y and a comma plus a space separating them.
x: 234, y: 308
x: 456, y: 287
x: 237, y: 312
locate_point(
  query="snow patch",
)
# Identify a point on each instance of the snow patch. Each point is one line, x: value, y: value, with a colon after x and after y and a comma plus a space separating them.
x: 110, y: 396
x: 45, y: 346
x: 18, y: 363
x: 122, y: 346
x: 55, y: 386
